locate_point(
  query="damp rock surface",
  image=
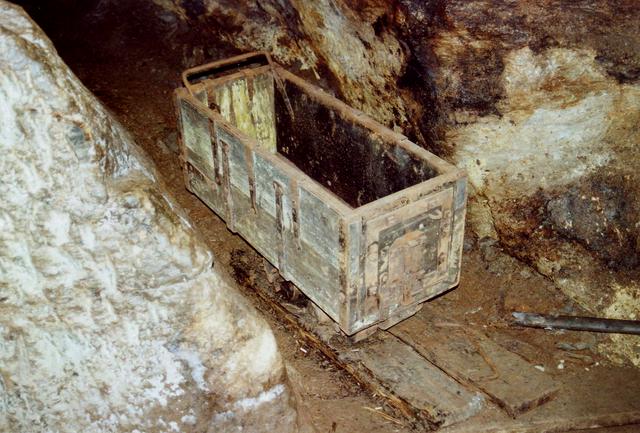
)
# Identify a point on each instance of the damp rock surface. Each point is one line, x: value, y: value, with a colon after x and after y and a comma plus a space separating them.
x: 112, y: 318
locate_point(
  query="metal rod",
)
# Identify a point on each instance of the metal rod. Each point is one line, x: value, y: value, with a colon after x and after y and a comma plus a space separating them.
x: 574, y: 323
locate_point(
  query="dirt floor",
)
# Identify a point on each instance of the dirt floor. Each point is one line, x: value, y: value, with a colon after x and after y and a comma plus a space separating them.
x: 136, y: 80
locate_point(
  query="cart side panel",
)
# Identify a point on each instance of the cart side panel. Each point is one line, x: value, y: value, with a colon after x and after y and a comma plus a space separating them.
x: 354, y: 288
x: 205, y: 190
x: 199, y: 152
x: 247, y: 102
x: 196, y: 137
x: 451, y: 236
x: 273, y: 209
x: 240, y: 159
x: 315, y: 250
x: 256, y: 227
x: 319, y: 226
x: 251, y: 197
x: 407, y: 255
x: 305, y: 247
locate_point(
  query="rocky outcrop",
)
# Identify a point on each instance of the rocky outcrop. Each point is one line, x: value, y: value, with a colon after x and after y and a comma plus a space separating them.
x: 111, y: 316
x: 555, y: 175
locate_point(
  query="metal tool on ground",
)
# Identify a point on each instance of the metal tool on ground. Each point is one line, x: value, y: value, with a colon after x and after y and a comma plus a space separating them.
x: 576, y: 323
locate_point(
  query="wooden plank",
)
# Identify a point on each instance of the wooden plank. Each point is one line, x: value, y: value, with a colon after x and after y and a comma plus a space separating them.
x: 383, y: 365
x: 469, y: 356
x: 593, y: 399
x: 408, y: 375
x: 554, y: 425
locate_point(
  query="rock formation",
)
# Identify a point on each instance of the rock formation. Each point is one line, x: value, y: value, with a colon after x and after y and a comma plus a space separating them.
x: 111, y: 316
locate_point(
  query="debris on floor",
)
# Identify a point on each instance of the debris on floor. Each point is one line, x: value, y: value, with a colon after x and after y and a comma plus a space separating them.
x: 576, y: 323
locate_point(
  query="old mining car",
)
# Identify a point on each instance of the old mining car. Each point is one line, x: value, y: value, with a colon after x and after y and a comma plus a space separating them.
x: 366, y: 223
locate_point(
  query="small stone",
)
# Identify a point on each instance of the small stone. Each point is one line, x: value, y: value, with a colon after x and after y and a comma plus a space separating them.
x: 565, y: 346
x: 526, y: 272
x: 582, y: 345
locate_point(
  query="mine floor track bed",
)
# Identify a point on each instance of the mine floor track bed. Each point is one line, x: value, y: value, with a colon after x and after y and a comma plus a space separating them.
x: 366, y: 223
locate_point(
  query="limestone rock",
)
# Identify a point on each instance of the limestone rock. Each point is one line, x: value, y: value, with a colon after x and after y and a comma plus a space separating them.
x: 112, y: 318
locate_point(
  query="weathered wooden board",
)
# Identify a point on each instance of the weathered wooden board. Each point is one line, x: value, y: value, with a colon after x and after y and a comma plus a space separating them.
x: 421, y: 384
x: 247, y: 103
x: 510, y: 381
x: 600, y: 397
x: 384, y: 365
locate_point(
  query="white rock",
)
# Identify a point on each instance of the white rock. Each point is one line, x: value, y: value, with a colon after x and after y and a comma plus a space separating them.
x: 559, y: 117
x: 111, y: 316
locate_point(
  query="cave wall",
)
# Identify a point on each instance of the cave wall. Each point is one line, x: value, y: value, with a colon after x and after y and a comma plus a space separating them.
x: 538, y: 100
